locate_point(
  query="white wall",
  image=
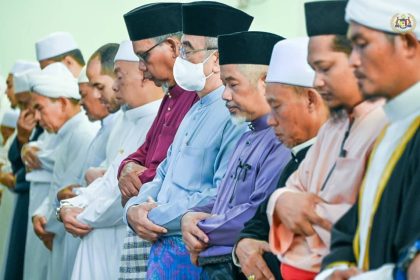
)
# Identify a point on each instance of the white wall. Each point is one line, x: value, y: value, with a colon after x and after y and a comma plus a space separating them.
x: 95, y: 22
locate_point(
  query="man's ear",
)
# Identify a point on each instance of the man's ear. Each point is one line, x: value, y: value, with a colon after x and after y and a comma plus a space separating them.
x: 67, y: 60
x: 216, y: 66
x: 174, y: 45
x: 312, y: 99
x: 261, y: 85
x: 63, y: 102
x: 409, y: 43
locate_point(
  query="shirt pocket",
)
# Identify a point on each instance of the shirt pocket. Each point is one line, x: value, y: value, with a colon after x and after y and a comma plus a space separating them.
x: 243, y: 186
x: 345, y: 181
x: 188, y: 168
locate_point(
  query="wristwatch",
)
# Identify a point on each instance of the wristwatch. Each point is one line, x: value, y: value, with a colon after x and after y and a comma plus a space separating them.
x: 58, y: 209
x: 406, y: 259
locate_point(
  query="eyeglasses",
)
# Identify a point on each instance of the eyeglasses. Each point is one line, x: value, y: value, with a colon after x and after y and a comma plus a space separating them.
x: 184, y: 53
x: 145, y: 56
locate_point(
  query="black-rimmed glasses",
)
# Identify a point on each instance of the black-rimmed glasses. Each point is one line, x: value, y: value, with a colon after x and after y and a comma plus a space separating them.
x: 184, y: 53
x: 145, y: 56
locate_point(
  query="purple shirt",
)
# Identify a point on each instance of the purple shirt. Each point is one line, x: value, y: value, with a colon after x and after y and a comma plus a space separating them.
x: 251, y: 176
x: 174, y: 107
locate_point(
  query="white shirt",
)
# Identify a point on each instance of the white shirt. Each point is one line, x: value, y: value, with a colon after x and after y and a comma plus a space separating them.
x: 73, y: 140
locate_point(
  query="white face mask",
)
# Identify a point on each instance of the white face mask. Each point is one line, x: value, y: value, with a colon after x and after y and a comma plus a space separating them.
x: 190, y: 76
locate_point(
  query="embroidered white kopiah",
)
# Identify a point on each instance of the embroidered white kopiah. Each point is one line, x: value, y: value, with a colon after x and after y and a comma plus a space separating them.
x: 83, y: 79
x: 288, y: 64
x: 23, y: 65
x: 54, y: 81
x: 54, y: 45
x: 21, y: 81
x: 385, y: 15
x: 126, y: 52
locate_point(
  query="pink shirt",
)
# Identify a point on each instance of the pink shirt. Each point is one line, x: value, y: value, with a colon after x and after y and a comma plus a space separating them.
x: 335, y: 178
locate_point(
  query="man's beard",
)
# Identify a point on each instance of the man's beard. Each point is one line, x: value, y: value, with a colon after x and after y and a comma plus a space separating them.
x: 237, y: 120
x: 165, y: 87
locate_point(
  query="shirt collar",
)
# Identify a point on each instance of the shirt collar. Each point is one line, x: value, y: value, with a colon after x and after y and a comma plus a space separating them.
x: 211, y: 97
x: 364, y: 108
x: 108, y: 120
x: 259, y: 124
x: 404, y: 104
x: 69, y: 124
x: 296, y: 149
x: 176, y: 90
x: 142, y: 111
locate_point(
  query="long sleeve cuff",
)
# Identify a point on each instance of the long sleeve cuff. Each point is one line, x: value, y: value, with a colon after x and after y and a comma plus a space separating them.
x: 271, y: 206
x: 131, y: 202
x: 78, y: 201
x: 147, y: 175
x: 234, y: 257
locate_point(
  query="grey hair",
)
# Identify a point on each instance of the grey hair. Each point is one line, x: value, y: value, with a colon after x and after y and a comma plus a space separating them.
x: 253, y: 72
x: 162, y: 38
x: 211, y: 43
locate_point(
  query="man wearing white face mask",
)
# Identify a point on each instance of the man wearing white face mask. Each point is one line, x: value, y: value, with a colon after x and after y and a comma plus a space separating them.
x: 191, y: 75
x: 202, y: 146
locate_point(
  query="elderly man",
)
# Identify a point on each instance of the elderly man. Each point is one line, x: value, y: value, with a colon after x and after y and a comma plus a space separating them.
x: 327, y: 182
x: 379, y: 236
x: 173, y: 189
x: 96, y: 214
x: 298, y: 112
x: 56, y: 101
x: 210, y: 231
x: 140, y: 167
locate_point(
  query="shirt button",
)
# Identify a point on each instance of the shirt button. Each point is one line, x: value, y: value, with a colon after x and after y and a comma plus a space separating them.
x: 169, y: 108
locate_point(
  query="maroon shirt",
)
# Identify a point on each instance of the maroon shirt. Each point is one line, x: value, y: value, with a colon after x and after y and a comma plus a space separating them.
x: 174, y: 107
